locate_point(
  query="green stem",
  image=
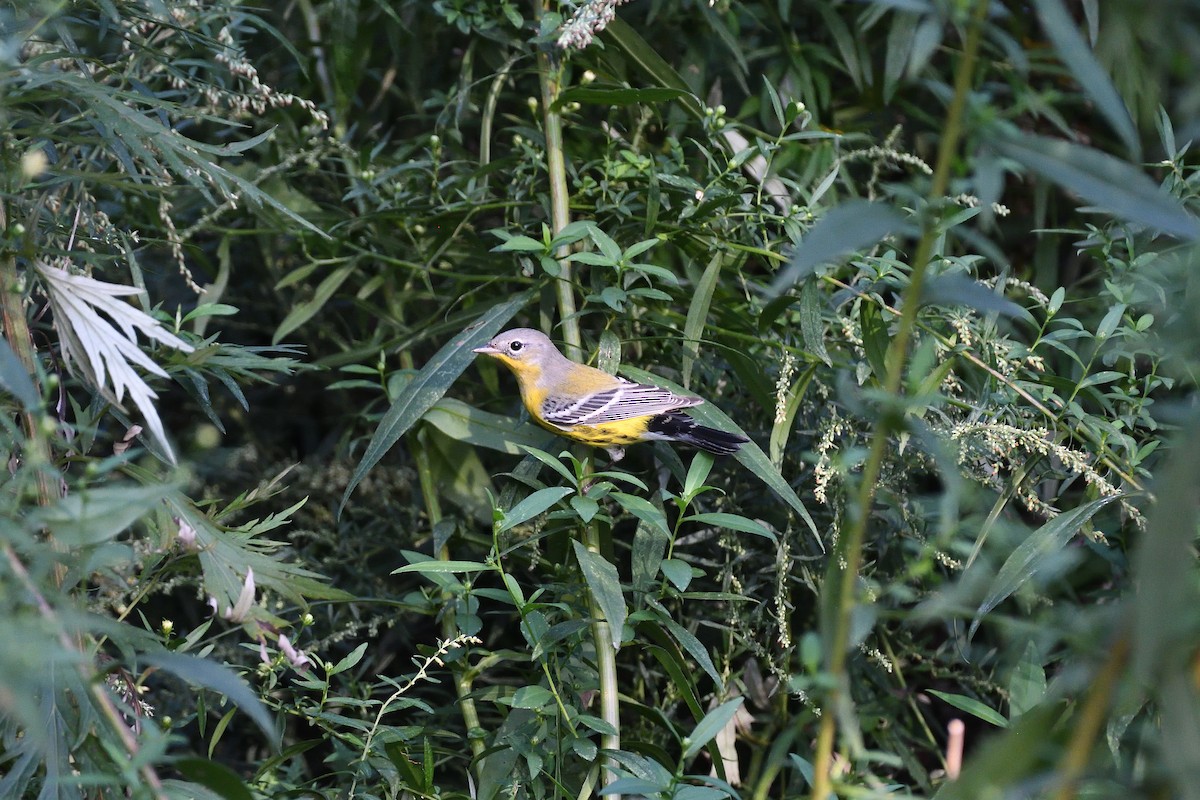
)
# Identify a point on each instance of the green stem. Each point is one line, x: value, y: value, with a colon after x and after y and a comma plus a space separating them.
x: 1090, y: 721
x: 560, y: 216
x: 460, y: 668
x: 849, y: 553
x: 16, y: 333
x: 560, y: 202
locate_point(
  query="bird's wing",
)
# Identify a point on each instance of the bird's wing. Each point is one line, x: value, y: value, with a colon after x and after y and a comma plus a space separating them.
x: 624, y: 401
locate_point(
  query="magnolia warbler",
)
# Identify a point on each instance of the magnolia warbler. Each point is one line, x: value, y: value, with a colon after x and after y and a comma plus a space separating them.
x: 593, y: 407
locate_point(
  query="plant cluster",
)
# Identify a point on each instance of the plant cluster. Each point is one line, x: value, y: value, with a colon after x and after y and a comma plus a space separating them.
x: 935, y: 262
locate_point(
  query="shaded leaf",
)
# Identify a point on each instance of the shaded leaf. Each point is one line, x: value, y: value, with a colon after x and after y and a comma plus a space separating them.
x: 15, y: 380
x: 972, y: 707
x: 1030, y: 555
x: 430, y: 384
x: 605, y: 586
x: 847, y: 228
x: 710, y: 726
x: 1103, y: 180
x: 220, y: 679
x: 1075, y: 53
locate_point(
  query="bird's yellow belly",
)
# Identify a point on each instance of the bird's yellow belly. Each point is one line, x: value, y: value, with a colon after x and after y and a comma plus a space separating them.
x: 608, y: 434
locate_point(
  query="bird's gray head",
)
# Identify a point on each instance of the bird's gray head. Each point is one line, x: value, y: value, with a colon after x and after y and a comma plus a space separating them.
x: 520, y: 346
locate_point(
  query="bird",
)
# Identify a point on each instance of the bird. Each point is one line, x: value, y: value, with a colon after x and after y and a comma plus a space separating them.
x: 598, y: 409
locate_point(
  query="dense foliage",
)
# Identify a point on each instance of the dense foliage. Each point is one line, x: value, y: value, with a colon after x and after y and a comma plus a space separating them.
x: 269, y: 531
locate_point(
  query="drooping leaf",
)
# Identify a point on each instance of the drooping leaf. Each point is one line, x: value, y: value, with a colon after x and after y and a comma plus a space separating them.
x: 430, y: 384
x: 605, y: 586
x: 221, y: 679
x: 1074, y: 51
x: 1103, y: 180
x: 1029, y: 557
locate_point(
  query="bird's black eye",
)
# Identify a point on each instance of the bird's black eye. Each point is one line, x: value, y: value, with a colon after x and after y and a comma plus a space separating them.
x: 515, y: 346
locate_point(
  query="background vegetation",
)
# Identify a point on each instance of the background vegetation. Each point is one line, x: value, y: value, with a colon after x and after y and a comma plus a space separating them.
x: 269, y: 531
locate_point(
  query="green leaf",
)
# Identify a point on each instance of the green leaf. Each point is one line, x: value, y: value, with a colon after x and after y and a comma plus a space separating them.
x: 642, y: 53
x: 697, y: 474
x: 1101, y: 179
x: 697, y: 315
x: 643, y: 509
x: 305, y: 311
x: 972, y: 707
x: 712, y: 724
x: 750, y: 456
x: 439, y: 567
x: 812, y: 327
x: 16, y: 380
x: 959, y: 290
x: 875, y: 336
x: 1164, y: 566
x: 679, y: 573
x: 1027, y: 684
x: 1029, y: 557
x: 351, y: 659
x: 688, y: 641
x: 428, y: 386
x: 92, y: 516
x: 605, y: 586
x: 533, y: 505
x: 468, y: 424
x: 531, y: 697
x: 733, y: 522
x: 1075, y: 53
x: 220, y: 679
x: 649, y: 544
x: 215, y: 776
x: 845, y: 229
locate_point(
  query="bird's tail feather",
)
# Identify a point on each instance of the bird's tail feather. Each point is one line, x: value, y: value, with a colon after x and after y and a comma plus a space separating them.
x: 681, y: 428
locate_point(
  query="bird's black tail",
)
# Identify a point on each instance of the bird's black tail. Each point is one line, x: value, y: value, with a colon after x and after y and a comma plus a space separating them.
x: 679, y: 427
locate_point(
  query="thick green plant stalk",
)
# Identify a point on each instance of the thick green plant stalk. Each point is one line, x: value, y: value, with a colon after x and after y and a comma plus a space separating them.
x: 850, y: 547
x: 463, y: 684
x: 550, y: 75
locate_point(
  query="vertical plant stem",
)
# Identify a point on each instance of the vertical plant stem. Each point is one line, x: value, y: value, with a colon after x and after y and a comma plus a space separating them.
x: 1086, y: 728
x: 849, y: 553
x: 550, y: 75
x: 560, y: 213
x: 16, y: 332
x: 460, y: 668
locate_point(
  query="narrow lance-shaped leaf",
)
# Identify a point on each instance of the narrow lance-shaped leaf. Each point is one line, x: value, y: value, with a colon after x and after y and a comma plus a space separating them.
x: 711, y: 725
x: 1027, y: 559
x: 605, y: 585
x: 751, y: 456
x: 1107, y: 182
x: 1073, y: 50
x: 697, y: 315
x: 430, y: 384
x: 845, y: 229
